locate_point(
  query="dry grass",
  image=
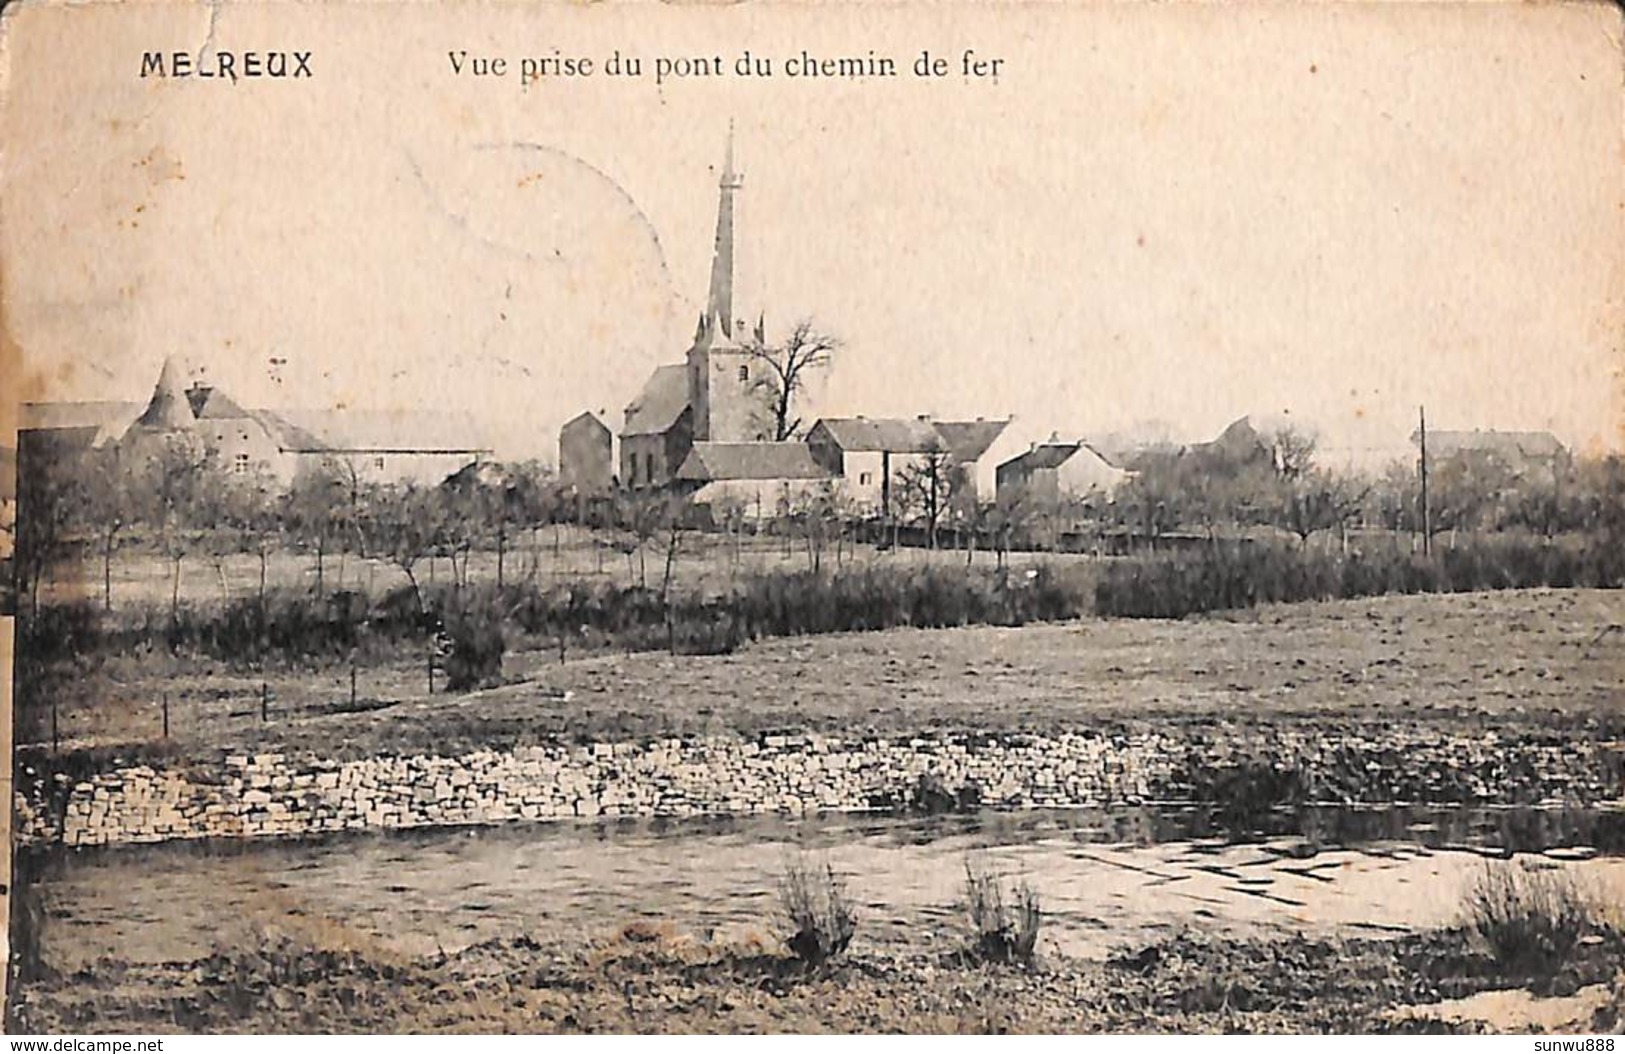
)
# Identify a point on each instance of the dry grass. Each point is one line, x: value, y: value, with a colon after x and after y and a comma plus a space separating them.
x: 1004, y: 924
x: 821, y: 917
x: 1531, y: 918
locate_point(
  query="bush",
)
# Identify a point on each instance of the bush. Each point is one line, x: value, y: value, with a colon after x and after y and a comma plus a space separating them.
x: 1531, y: 920
x: 1003, y: 931
x: 1240, y: 574
x: 476, y: 647
x: 814, y: 900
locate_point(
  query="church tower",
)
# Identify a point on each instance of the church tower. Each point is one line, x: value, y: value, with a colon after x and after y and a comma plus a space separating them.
x: 724, y: 385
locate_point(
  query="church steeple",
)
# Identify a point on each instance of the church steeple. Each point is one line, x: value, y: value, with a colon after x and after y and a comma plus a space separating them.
x: 719, y: 309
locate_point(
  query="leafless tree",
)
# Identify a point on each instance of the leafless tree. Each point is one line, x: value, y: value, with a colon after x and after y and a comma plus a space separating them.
x: 928, y: 485
x: 788, y: 367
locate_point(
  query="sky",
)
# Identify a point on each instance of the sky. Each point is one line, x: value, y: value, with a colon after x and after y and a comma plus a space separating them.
x: 1157, y: 218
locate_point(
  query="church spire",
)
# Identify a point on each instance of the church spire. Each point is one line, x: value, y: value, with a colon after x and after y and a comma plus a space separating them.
x: 720, y: 305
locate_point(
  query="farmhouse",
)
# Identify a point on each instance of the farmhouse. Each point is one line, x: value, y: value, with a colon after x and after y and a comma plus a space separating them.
x: 381, y: 446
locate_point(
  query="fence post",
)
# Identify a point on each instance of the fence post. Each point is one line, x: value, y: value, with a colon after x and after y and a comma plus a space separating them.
x: 352, y: 686
x: 56, y: 740
x: 265, y: 702
x: 166, y: 715
x: 431, y: 665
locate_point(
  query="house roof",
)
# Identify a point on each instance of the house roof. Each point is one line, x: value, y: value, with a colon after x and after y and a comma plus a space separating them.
x: 585, y: 417
x: 97, y: 415
x: 898, y: 435
x: 287, y: 435
x: 212, y: 404
x: 1511, y: 445
x: 969, y: 440
x: 717, y: 461
x: 1045, y: 455
x: 375, y: 431
x: 661, y: 402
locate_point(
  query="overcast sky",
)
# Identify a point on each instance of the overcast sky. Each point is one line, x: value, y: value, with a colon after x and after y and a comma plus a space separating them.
x: 1156, y: 213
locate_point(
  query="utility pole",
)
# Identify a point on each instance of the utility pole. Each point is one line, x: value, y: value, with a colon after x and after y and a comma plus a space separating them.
x: 1427, y: 521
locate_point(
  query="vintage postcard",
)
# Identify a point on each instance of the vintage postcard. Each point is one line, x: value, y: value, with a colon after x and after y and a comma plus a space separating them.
x: 814, y: 517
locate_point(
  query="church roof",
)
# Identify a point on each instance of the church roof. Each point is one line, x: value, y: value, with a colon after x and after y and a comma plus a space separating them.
x: 969, y: 440
x: 718, y: 461
x: 897, y: 435
x: 661, y: 402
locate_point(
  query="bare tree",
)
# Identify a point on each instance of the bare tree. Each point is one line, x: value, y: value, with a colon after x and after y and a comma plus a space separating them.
x: 47, y: 500
x: 107, y: 509
x: 788, y: 366
x: 402, y: 524
x: 928, y: 485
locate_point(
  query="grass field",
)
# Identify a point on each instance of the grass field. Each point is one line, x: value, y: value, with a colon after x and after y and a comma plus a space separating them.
x: 1535, y: 656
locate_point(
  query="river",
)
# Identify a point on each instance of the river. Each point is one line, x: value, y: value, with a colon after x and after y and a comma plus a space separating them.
x: 1108, y: 879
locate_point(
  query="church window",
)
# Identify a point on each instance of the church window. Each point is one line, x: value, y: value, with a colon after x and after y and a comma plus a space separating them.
x: 865, y: 478
x: 634, y: 472
x: 744, y: 373
x: 239, y: 464
x: 378, y: 462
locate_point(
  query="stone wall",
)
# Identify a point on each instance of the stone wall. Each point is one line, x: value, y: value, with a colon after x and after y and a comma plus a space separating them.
x: 270, y: 795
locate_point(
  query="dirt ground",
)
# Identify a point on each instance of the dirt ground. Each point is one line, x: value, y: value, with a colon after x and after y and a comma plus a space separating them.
x: 651, y: 978
x: 1531, y: 657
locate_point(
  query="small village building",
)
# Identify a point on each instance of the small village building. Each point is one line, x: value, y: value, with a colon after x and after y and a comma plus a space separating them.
x: 759, y: 479
x: 1056, y: 472
x: 587, y: 455
x: 1520, y: 453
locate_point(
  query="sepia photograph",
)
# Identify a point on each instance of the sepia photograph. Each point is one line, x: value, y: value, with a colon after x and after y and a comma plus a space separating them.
x: 813, y: 518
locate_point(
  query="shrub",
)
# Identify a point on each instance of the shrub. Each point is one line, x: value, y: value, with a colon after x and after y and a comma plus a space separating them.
x: 475, y: 656
x: 1003, y: 930
x: 1531, y: 920
x: 1239, y: 574
x: 822, y: 918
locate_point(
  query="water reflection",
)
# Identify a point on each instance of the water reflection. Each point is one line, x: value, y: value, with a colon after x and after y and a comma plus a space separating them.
x: 1109, y: 878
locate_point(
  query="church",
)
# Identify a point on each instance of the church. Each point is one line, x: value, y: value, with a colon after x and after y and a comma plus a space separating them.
x: 704, y: 425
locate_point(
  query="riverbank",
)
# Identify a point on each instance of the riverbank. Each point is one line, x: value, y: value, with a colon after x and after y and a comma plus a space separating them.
x: 649, y: 978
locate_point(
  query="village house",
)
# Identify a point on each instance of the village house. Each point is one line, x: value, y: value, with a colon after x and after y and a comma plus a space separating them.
x: 1055, y: 472
x: 587, y: 454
